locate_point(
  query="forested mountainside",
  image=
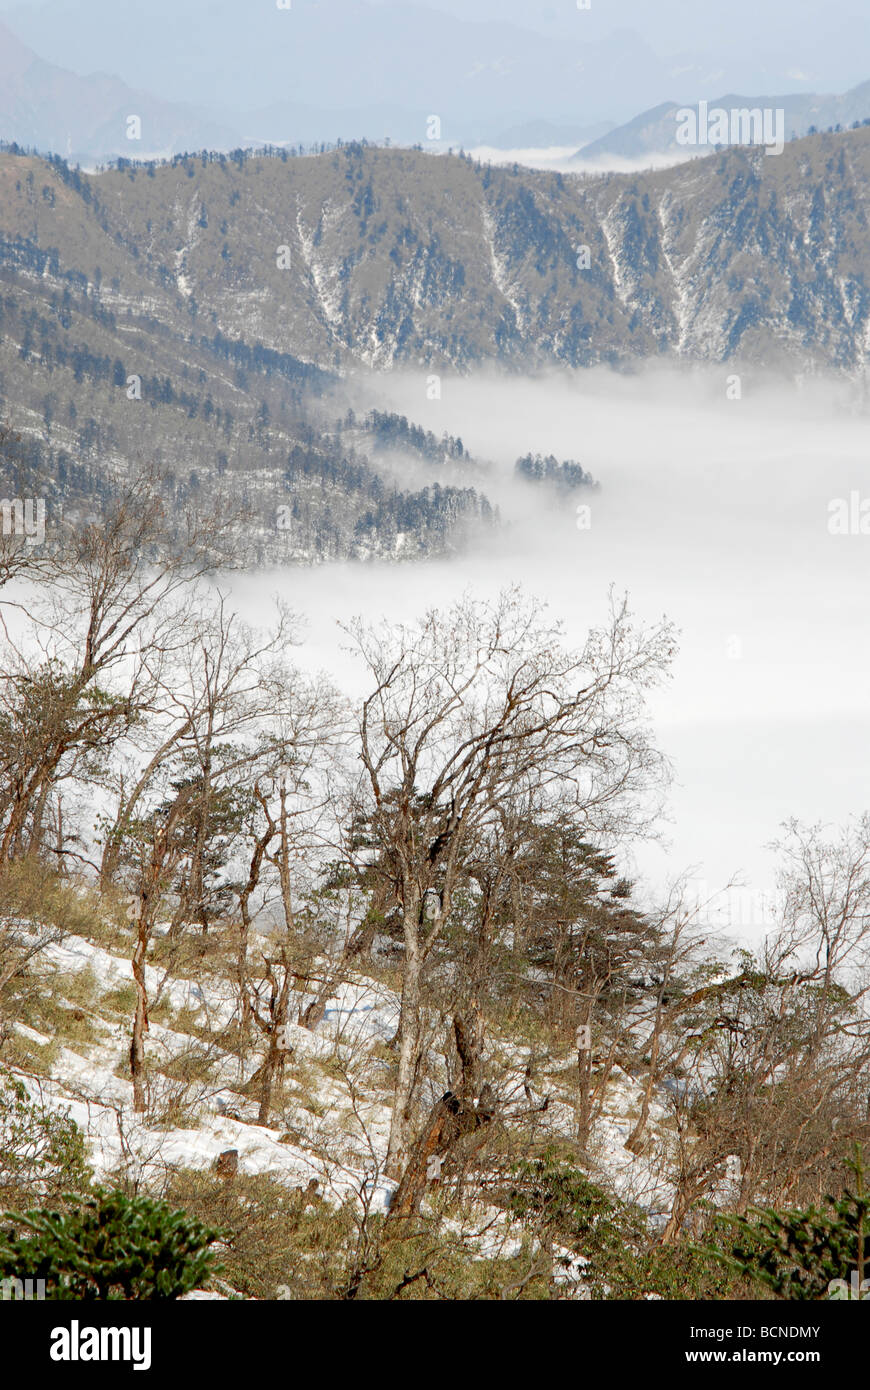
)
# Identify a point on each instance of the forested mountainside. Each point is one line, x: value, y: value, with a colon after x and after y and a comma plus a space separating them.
x: 201, y: 317
x: 97, y: 385
x: 376, y: 256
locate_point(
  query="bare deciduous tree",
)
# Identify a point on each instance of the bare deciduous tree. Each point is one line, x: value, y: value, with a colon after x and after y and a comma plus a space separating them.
x: 473, y: 706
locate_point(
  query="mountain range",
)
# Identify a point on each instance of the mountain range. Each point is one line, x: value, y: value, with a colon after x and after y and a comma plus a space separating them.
x: 218, y: 317
x: 655, y: 131
x: 400, y: 257
x: 537, y: 92
x: 84, y: 117
x: 351, y: 58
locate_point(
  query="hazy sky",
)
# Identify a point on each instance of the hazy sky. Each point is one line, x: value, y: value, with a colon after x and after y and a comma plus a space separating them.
x: 671, y: 25
x: 668, y: 25
x: 463, y: 53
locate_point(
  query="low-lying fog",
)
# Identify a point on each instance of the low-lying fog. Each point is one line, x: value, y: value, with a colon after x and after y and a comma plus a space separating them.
x: 711, y: 510
x: 568, y: 159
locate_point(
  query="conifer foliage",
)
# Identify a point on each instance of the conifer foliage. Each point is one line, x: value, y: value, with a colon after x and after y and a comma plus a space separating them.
x: 111, y: 1247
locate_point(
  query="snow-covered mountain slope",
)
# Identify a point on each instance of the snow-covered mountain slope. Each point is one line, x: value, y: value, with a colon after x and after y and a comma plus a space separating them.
x: 330, y: 1120
x: 381, y: 257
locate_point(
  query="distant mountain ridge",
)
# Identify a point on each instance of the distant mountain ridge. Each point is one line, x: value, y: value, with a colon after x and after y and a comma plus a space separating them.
x: 396, y: 257
x: 655, y: 131
x: 479, y: 78
x: 85, y: 118
x: 210, y: 315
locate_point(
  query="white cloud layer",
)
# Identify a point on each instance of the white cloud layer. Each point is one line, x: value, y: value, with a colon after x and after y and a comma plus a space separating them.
x: 714, y: 512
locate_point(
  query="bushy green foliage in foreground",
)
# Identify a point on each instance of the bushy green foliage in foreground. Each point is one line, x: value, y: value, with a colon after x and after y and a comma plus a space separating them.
x: 111, y: 1247
x: 801, y: 1254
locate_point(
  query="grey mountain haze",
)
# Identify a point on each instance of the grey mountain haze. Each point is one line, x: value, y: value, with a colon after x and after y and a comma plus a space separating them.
x: 654, y: 131
x: 349, y: 69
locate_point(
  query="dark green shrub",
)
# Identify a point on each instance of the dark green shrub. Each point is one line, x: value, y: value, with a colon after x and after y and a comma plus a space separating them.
x: 799, y: 1254
x: 562, y: 1207
x: 111, y: 1247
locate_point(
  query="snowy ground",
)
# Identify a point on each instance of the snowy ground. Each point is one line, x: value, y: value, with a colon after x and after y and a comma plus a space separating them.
x: 333, y: 1122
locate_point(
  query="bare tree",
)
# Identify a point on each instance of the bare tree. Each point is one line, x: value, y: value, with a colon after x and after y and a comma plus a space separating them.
x: 87, y: 671
x: 237, y: 711
x: 474, y: 705
x: 775, y: 1056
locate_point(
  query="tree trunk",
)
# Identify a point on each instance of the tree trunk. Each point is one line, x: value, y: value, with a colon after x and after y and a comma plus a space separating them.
x: 409, y: 1050
x: 449, y: 1119
x: 273, y: 1064
x: 140, y: 1022
x: 276, y: 1054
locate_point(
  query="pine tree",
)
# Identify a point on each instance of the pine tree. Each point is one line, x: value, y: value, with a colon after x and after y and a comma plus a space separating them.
x: 111, y: 1247
x: 814, y: 1253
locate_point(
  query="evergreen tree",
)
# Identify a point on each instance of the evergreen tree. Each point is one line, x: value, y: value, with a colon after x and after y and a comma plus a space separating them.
x: 814, y: 1253
x: 111, y: 1247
